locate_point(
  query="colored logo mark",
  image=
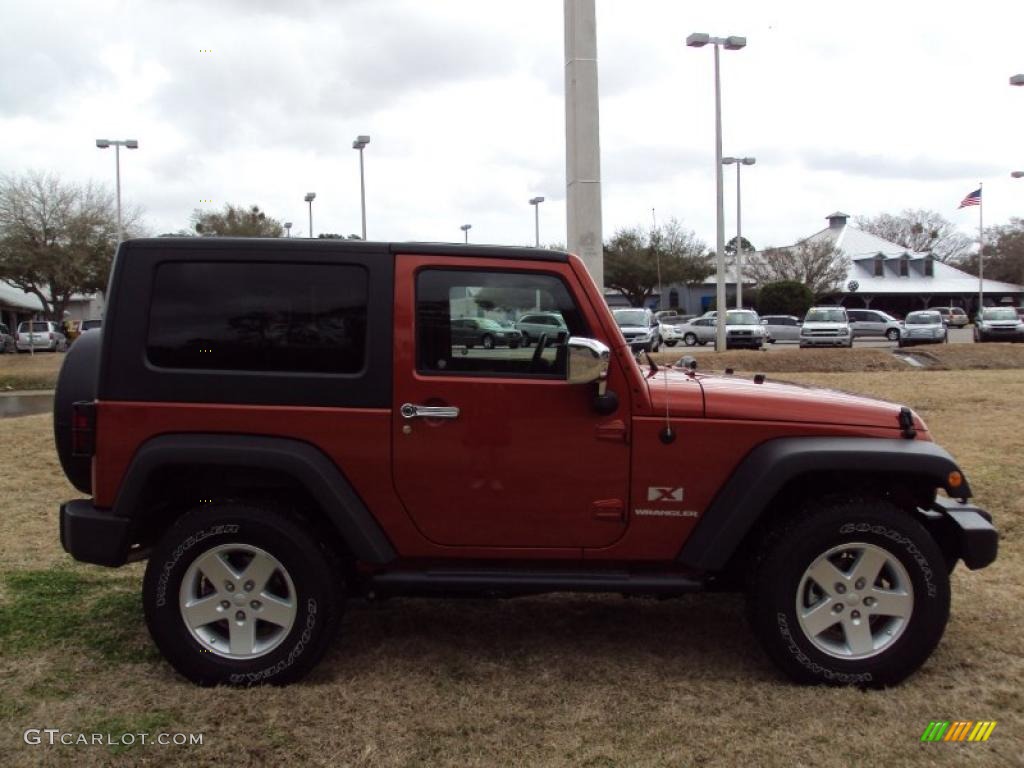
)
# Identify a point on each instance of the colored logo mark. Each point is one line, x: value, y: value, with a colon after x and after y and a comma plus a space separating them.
x: 958, y: 730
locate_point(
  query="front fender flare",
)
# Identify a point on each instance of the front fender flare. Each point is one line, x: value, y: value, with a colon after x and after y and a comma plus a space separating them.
x: 767, y: 468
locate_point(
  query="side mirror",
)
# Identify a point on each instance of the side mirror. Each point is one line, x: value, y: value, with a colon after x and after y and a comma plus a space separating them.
x: 588, y: 360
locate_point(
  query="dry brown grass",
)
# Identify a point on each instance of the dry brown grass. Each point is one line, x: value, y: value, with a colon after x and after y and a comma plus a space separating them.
x: 24, y: 371
x: 558, y: 680
x: 951, y: 357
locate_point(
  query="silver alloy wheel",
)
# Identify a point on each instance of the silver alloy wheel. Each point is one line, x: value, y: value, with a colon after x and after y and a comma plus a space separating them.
x: 854, y: 601
x: 238, y: 601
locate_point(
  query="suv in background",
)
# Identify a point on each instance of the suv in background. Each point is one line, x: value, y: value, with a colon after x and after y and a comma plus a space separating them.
x: 872, y: 322
x: 781, y: 327
x: 954, y: 317
x: 483, y: 332
x: 999, y: 324
x: 6, y: 340
x: 826, y: 327
x: 40, y: 336
x: 281, y: 426
x: 551, y: 325
x: 640, y: 327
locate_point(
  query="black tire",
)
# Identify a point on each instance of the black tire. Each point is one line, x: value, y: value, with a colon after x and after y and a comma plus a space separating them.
x: 313, y: 570
x: 671, y: 343
x: 690, y: 339
x: 892, y: 334
x: 487, y: 342
x: 794, y: 546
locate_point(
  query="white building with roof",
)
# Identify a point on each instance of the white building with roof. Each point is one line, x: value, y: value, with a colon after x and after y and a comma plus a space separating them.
x: 17, y: 305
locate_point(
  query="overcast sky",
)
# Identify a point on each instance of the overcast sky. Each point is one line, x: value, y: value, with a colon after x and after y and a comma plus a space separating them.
x: 863, y: 107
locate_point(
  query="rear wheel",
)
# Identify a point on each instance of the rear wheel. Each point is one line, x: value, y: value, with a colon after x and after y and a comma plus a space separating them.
x: 853, y: 592
x: 671, y: 343
x: 241, y: 595
x: 892, y: 334
x: 487, y: 341
x: 689, y: 339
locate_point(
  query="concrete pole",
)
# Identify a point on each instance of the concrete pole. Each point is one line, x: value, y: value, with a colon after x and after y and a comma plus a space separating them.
x: 582, y: 138
x: 362, y: 191
x: 720, y: 307
x: 739, y: 239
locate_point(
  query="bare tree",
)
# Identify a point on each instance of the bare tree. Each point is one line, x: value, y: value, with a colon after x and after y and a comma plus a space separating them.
x: 919, y: 230
x: 633, y: 256
x: 236, y: 221
x: 818, y: 265
x: 57, y: 239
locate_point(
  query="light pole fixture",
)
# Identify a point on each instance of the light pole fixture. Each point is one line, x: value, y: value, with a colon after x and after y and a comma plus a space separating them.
x: 288, y: 228
x: 117, y: 144
x: 535, y: 202
x: 1017, y: 174
x: 731, y: 43
x: 465, y: 232
x: 739, y: 161
x: 1017, y: 80
x: 360, y: 144
x: 309, y: 198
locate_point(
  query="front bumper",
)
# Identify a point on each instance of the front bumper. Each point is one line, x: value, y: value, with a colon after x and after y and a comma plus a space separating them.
x: 93, y: 535
x: 968, y: 527
x: 824, y: 341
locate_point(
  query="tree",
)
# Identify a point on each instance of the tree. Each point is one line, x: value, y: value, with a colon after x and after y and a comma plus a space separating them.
x: 235, y: 221
x: 1004, y: 253
x: 818, y: 265
x: 58, y: 239
x: 785, y: 297
x: 919, y: 230
x: 632, y: 256
x: 335, y: 236
x: 730, y: 247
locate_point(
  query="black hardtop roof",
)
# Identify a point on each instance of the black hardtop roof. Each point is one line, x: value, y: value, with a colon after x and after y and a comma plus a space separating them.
x: 471, y: 250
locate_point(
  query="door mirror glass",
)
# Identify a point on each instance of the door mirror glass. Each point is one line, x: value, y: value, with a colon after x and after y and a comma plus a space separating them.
x: 588, y: 360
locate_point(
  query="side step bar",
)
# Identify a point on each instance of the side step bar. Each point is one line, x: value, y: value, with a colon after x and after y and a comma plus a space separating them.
x: 469, y: 582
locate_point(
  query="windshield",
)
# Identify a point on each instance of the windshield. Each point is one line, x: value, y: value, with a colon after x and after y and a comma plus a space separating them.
x: 1002, y: 313
x: 630, y: 317
x: 826, y: 316
x: 489, y: 325
x: 741, y: 318
x: 924, y: 318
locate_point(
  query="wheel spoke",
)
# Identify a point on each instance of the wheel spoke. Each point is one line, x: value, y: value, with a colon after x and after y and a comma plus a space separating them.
x: 259, y: 571
x: 243, y: 635
x: 869, y: 564
x: 898, y: 604
x: 826, y: 575
x: 276, y: 610
x: 858, y: 635
x: 216, y: 569
x: 819, y: 618
x: 203, y: 611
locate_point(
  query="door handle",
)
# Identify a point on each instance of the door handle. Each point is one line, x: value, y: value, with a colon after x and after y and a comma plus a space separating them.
x: 411, y: 411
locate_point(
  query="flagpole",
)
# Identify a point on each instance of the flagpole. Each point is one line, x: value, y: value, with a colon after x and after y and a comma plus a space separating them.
x: 981, y: 251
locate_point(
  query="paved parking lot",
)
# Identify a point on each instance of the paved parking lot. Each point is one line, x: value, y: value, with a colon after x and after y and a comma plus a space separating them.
x: 956, y: 336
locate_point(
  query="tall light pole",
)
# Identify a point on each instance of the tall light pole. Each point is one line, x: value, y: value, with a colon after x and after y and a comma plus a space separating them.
x: 465, y: 232
x: 117, y: 144
x: 288, y: 228
x: 309, y: 198
x: 739, y: 161
x: 731, y: 43
x: 535, y: 202
x: 360, y: 144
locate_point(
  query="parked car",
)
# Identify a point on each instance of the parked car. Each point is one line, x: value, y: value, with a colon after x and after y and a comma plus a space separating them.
x: 548, y: 324
x: 872, y: 322
x: 672, y: 328
x: 640, y: 327
x: 954, y: 317
x: 826, y: 327
x: 40, y: 336
x: 743, y: 328
x: 89, y: 325
x: 483, y: 332
x: 923, y: 327
x: 782, y: 327
x: 7, y: 343
x: 999, y: 324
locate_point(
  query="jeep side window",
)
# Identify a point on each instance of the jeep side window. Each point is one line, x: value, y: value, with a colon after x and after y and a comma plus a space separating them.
x: 260, y: 316
x: 492, y: 298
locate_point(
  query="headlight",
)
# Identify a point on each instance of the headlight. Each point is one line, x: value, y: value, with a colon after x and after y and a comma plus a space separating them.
x: 844, y: 331
x: 804, y: 332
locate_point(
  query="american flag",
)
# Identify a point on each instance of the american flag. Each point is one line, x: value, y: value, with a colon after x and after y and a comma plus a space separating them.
x: 972, y: 199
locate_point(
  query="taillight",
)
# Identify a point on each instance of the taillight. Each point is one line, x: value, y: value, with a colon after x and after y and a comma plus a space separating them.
x: 51, y: 336
x: 83, y: 428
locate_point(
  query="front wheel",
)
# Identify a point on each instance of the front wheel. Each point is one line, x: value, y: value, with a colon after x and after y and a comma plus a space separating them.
x: 850, y: 593
x: 241, y: 595
x: 690, y: 339
x: 487, y: 341
x: 671, y: 343
x: 892, y: 334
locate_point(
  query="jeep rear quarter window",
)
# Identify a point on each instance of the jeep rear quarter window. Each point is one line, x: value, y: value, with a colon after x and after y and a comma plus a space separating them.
x: 258, y: 317
x: 443, y: 295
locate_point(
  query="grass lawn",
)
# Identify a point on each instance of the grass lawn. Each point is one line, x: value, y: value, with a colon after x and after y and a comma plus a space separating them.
x: 555, y: 680
x: 24, y: 371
